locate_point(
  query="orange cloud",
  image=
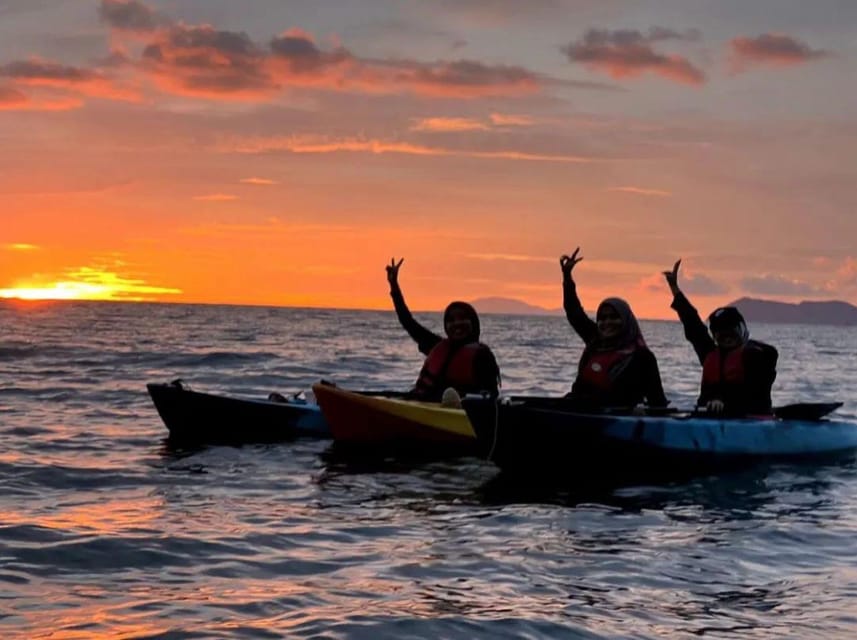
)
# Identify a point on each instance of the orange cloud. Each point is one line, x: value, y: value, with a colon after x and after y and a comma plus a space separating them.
x: 771, y: 49
x: 17, y: 101
x: 628, y: 54
x: 310, y: 144
x: 442, y: 124
x: 448, y: 124
x: 640, y: 191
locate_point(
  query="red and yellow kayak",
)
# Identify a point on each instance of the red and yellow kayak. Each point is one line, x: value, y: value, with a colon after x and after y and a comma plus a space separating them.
x: 357, y: 418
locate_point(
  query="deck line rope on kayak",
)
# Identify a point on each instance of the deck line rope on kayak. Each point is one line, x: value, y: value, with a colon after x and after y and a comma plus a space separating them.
x: 496, y: 428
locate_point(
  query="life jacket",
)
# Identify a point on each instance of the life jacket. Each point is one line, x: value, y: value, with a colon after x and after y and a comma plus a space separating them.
x: 446, y: 366
x: 595, y: 368
x: 723, y: 368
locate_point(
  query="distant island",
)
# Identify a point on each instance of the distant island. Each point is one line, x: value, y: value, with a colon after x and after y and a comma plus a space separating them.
x: 833, y: 312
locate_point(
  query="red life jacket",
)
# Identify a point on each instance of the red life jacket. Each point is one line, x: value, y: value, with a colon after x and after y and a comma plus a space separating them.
x: 594, y: 370
x: 444, y: 368
x: 724, y: 368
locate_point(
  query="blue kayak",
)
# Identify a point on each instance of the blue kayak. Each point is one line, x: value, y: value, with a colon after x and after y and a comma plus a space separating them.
x: 204, y: 417
x: 550, y: 435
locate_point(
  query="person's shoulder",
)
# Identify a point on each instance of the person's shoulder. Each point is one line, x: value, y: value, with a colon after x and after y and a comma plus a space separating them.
x: 646, y: 354
x: 761, y: 346
x: 763, y: 349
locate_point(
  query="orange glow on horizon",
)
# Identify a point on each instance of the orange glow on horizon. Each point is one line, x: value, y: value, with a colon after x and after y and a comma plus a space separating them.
x: 87, y: 284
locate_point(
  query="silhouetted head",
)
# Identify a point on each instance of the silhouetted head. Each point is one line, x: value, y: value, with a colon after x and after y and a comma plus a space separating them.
x: 728, y: 327
x: 616, y: 323
x: 461, y: 322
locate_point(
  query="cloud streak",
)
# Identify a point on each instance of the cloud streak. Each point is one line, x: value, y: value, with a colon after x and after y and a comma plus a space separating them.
x: 507, y: 257
x: 623, y: 54
x: 311, y: 144
x: 259, y: 182
x: 216, y: 197
x: 641, y: 191
x: 449, y: 125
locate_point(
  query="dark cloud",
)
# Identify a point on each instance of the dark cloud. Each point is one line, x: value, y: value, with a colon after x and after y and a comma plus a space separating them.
x: 702, y: 286
x: 45, y: 72
x: 131, y: 15
x: 301, y: 54
x: 771, y: 49
x: 627, y: 53
x: 202, y: 60
x: 468, y: 77
x: 779, y: 285
x: 698, y: 285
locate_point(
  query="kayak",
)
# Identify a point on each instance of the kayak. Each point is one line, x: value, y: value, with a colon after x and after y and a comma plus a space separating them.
x: 392, y: 422
x: 205, y: 417
x: 547, y: 434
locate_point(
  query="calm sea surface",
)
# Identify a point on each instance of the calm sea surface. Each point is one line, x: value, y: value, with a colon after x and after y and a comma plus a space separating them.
x: 108, y: 532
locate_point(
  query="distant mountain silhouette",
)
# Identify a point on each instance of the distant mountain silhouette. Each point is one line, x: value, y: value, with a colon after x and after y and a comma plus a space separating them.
x: 511, y: 306
x: 833, y: 312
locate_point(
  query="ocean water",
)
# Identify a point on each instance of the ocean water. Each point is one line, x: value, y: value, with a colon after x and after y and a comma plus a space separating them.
x: 108, y: 531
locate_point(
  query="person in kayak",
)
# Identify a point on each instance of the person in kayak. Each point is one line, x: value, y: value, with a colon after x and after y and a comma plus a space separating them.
x: 737, y: 372
x: 458, y: 361
x: 616, y: 369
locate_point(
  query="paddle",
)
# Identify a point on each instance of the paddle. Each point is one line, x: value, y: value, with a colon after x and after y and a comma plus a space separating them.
x: 804, y: 411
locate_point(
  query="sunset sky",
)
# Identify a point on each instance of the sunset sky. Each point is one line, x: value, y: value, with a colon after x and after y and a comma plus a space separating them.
x: 281, y: 152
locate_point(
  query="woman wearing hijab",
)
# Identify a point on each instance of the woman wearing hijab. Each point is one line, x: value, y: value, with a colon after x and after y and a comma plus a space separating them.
x: 458, y: 361
x: 616, y: 369
x: 737, y: 372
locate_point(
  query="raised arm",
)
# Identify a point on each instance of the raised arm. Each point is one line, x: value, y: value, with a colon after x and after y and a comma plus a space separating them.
x: 582, y: 324
x: 694, y: 328
x: 425, y: 339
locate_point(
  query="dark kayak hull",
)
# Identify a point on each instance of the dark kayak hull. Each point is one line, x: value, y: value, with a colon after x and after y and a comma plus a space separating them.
x: 205, y: 417
x: 543, y: 436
